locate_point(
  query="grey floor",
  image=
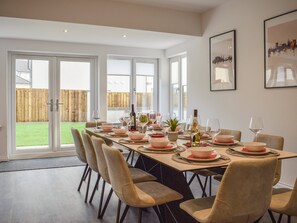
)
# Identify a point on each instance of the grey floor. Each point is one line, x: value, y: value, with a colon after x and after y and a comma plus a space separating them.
x: 50, y: 195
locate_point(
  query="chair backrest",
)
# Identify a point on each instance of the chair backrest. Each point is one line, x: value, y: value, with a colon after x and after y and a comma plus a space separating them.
x: 274, y: 142
x: 235, y: 133
x: 90, y: 151
x: 79, y: 146
x: 291, y: 207
x: 244, y: 194
x: 101, y: 162
x: 120, y: 178
x: 93, y: 124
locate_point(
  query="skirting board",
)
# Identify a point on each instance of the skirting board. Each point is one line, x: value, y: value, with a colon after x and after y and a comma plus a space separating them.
x: 43, y: 155
x: 3, y: 158
x: 283, y: 185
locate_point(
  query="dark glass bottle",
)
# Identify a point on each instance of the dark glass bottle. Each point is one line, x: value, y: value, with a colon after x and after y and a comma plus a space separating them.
x: 132, y: 126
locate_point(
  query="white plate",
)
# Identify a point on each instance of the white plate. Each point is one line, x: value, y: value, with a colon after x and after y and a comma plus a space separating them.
x: 112, y: 134
x: 185, y: 155
x: 172, y: 147
x: 225, y: 143
x: 239, y: 150
x: 144, y: 140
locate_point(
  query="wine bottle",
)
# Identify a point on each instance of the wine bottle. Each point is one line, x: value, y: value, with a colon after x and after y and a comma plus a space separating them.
x: 195, y: 139
x: 132, y: 126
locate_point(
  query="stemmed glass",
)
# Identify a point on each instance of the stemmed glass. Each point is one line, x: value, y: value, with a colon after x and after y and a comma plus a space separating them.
x: 125, y: 118
x: 96, y: 116
x: 142, y: 121
x: 213, y: 127
x: 256, y: 125
x: 152, y: 116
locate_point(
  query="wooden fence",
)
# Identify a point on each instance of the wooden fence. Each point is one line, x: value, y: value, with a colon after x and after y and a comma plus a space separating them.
x: 31, y: 104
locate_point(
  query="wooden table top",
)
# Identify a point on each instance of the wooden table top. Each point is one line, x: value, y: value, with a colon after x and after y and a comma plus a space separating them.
x: 167, y: 160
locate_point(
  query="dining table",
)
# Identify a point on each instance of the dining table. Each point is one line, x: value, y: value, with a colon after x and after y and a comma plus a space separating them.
x: 170, y: 166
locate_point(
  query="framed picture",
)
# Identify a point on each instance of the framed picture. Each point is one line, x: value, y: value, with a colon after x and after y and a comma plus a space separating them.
x: 280, y: 34
x: 222, y: 61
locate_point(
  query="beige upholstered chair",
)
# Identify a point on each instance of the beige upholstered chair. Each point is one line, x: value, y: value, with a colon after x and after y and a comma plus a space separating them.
x: 207, y: 173
x: 93, y: 125
x: 243, y: 196
x: 139, y: 195
x: 80, y: 151
x: 284, y: 201
x: 274, y: 142
x: 137, y: 175
x: 92, y: 161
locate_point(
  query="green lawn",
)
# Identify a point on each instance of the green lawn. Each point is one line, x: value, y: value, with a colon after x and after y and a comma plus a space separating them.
x: 36, y: 133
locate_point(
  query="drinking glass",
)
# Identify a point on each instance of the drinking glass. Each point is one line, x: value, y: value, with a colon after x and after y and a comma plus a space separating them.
x: 152, y: 117
x: 125, y: 118
x: 213, y: 127
x: 256, y: 125
x: 96, y: 116
x: 142, y: 122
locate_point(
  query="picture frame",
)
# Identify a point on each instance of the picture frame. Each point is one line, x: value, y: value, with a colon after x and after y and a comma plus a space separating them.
x: 222, y: 55
x: 280, y: 60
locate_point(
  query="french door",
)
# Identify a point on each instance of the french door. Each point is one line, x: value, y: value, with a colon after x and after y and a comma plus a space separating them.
x: 51, y: 95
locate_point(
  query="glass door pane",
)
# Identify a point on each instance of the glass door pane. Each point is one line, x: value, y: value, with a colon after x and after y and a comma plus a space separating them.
x: 144, y: 86
x: 175, y: 94
x: 74, y: 99
x: 32, y: 109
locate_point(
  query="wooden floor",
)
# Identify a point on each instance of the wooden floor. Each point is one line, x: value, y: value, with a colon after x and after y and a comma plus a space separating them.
x: 50, y: 195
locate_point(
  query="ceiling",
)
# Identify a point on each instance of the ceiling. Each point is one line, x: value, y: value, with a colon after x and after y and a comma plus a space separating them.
x: 82, y: 33
x: 197, y: 6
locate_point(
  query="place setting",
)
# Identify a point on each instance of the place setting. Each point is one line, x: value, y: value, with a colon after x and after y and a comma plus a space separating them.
x: 201, y: 156
x: 118, y: 132
x: 252, y: 149
x: 135, y: 138
x: 159, y: 143
x: 223, y: 140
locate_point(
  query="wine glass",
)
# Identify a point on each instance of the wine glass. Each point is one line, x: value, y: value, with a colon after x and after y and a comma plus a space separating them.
x: 152, y: 116
x: 142, y: 121
x: 213, y: 127
x: 96, y: 116
x: 256, y: 125
x: 125, y: 118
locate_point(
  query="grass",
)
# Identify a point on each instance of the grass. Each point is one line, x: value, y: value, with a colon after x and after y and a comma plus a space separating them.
x: 36, y: 133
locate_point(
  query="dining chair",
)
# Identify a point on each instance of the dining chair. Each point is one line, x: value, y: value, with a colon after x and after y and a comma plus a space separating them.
x: 243, y: 196
x: 139, y: 195
x: 80, y: 152
x: 92, y: 161
x: 93, y: 125
x: 274, y: 142
x: 137, y: 175
x: 208, y: 173
x: 284, y: 201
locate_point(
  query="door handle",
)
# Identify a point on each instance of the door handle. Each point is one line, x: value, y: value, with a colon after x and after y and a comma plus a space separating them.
x: 51, y: 104
x: 58, y: 104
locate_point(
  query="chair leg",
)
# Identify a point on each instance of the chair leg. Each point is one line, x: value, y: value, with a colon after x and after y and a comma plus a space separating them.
x: 280, y: 218
x: 139, y: 215
x: 289, y: 218
x: 124, y: 213
x: 95, y: 188
x: 83, y: 177
x: 119, y: 211
x: 101, y: 199
x: 106, y: 203
x: 271, y: 216
x: 210, y: 182
x: 88, y: 186
x: 156, y: 209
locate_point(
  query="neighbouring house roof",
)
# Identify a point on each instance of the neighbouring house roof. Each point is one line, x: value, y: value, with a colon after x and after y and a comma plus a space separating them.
x: 20, y: 80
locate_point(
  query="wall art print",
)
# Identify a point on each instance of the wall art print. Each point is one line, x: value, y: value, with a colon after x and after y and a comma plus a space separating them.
x: 280, y: 35
x: 222, y: 61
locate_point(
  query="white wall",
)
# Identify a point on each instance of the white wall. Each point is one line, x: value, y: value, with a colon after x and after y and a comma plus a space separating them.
x: 100, y: 51
x: 234, y: 108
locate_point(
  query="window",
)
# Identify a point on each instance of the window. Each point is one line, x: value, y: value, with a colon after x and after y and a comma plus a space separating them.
x: 178, y: 86
x: 130, y: 80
